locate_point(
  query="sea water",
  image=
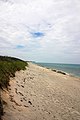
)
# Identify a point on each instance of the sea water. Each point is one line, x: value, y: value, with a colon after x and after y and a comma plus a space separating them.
x: 73, y: 69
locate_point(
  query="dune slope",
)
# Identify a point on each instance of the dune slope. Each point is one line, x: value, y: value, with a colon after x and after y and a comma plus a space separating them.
x: 41, y: 94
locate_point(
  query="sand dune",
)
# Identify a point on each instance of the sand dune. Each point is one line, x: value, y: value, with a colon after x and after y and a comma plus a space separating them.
x: 41, y: 94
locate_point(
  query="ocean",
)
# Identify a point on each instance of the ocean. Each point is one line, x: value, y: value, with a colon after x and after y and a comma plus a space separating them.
x: 72, y: 69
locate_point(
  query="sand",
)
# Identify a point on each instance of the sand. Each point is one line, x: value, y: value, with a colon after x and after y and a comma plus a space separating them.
x: 41, y: 94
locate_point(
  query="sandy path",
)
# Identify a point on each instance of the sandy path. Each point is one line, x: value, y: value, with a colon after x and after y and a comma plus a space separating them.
x: 41, y: 94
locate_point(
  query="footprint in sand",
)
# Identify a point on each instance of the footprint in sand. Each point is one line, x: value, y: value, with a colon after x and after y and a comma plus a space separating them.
x: 16, y: 91
x: 20, y: 93
x: 12, y: 100
x: 24, y: 99
x: 24, y: 80
x: 30, y: 102
x: 22, y: 86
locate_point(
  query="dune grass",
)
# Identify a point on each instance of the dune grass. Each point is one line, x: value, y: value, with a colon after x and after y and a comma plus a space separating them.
x: 8, y: 67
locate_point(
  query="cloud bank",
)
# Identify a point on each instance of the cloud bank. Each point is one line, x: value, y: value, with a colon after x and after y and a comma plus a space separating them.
x: 41, y: 30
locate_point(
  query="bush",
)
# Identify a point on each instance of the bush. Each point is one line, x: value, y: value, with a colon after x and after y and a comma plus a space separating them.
x: 8, y: 67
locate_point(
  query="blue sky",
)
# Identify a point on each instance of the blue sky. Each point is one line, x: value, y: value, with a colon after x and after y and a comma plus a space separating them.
x: 41, y: 30
x: 20, y: 46
x: 37, y: 34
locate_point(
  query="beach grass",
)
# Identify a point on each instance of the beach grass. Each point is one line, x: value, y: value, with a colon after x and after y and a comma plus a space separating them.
x: 8, y: 67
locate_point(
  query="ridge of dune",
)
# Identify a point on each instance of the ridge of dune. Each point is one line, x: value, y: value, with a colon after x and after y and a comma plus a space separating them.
x: 41, y: 94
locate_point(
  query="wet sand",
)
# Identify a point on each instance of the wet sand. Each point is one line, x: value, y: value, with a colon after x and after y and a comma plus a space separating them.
x: 42, y: 94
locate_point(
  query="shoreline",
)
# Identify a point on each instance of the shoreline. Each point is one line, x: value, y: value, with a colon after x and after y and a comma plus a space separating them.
x: 59, y: 71
x: 38, y: 93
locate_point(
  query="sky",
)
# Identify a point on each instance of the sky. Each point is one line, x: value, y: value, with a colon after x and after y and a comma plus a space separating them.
x: 41, y: 30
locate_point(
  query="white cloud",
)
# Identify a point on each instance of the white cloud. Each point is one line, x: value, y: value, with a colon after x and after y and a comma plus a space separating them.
x: 58, y: 20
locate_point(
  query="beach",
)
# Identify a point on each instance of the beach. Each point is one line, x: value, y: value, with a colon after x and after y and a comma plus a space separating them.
x: 38, y: 93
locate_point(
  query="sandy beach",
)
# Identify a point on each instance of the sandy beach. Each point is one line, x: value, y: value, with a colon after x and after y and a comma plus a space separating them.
x: 42, y: 94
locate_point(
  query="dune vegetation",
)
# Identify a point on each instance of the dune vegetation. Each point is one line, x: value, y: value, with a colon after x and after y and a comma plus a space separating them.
x: 8, y: 67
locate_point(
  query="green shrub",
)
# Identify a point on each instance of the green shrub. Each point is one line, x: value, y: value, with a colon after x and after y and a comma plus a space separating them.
x: 8, y: 67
